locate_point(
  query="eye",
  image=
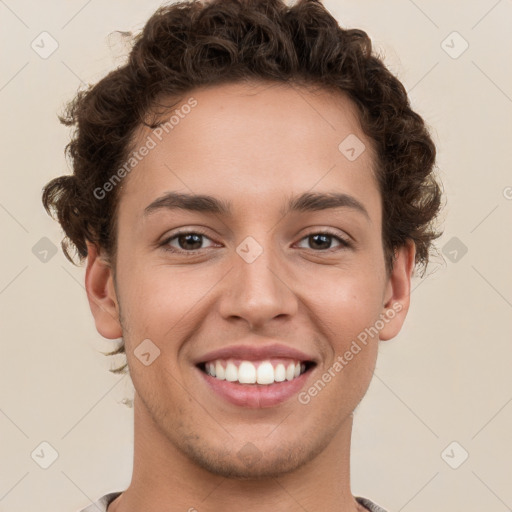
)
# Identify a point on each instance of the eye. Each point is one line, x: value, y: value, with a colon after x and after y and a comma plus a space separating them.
x: 190, y: 242
x: 322, y: 240
x: 185, y: 241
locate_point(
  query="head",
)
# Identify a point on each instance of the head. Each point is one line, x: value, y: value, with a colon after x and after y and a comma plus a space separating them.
x: 318, y: 202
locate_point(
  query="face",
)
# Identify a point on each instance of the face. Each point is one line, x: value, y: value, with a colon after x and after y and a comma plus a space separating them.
x: 276, y: 276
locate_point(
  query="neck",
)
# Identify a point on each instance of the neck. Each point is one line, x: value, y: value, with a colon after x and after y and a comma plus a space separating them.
x: 164, y: 476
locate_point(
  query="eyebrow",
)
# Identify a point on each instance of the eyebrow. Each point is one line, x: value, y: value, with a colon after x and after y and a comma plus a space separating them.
x: 306, y: 202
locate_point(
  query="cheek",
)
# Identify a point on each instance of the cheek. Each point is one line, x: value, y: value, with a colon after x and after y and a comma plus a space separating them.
x: 347, y: 303
x: 348, y: 313
x: 156, y: 301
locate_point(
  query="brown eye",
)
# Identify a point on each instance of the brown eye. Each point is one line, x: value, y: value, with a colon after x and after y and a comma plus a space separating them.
x: 323, y: 241
x: 191, y: 241
x: 186, y: 241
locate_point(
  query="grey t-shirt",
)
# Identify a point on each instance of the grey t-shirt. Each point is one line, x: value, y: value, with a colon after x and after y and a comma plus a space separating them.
x: 102, y: 504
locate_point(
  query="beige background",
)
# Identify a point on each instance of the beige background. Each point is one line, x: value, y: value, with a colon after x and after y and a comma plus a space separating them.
x: 445, y: 378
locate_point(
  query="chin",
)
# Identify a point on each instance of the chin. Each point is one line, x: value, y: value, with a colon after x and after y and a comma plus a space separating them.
x: 252, y: 463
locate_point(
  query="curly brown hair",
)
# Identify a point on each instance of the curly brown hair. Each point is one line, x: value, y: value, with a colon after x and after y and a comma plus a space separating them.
x: 192, y: 43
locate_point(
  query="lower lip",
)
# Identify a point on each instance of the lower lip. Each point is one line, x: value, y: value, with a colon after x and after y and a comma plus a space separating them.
x: 255, y: 396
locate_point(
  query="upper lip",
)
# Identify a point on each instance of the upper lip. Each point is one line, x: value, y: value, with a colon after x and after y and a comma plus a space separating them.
x: 255, y: 353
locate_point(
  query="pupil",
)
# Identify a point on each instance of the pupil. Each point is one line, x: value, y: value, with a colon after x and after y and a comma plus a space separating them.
x: 183, y: 238
x: 324, y: 238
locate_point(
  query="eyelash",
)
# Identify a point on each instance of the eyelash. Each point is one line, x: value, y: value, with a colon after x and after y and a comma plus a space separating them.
x: 345, y: 244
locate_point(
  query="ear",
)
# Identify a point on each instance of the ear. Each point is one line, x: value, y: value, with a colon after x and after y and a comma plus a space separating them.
x: 398, y: 290
x: 99, y: 283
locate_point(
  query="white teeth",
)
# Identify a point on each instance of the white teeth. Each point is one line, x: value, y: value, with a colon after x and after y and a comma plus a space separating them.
x: 231, y: 372
x: 249, y: 373
x: 210, y: 369
x: 220, y: 373
x: 280, y: 373
x: 246, y: 373
x: 265, y: 373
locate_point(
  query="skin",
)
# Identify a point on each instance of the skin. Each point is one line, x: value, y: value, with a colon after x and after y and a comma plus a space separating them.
x: 255, y: 146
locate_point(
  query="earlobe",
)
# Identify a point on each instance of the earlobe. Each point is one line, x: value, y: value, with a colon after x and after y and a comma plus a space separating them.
x: 99, y: 283
x: 398, y: 290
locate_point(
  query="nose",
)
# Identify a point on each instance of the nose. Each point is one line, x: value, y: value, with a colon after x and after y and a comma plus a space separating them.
x: 258, y: 291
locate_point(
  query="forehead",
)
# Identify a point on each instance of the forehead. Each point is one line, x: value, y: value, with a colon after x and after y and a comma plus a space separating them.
x: 253, y: 142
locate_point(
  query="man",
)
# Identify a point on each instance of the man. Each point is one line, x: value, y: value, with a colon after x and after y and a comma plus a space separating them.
x: 288, y: 157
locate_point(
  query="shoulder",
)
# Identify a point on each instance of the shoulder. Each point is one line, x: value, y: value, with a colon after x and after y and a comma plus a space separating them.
x: 102, y: 503
x: 370, y: 505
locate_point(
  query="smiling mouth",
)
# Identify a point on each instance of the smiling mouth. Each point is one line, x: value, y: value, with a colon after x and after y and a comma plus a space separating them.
x: 264, y: 372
